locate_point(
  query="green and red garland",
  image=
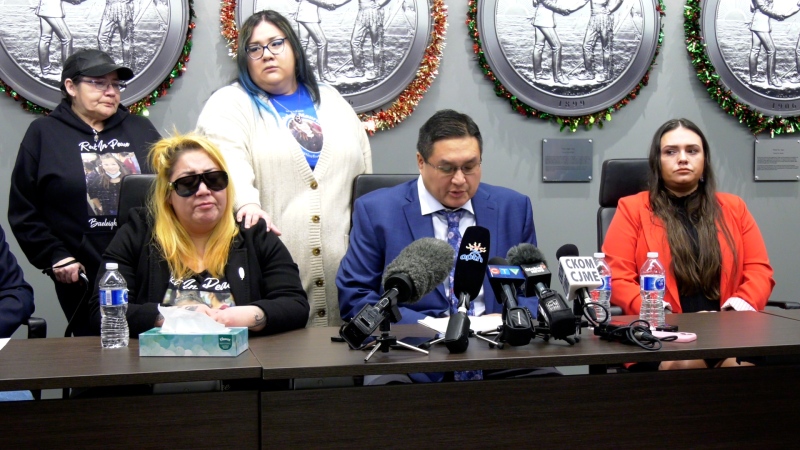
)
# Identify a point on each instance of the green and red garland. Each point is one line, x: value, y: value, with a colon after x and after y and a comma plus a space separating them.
x: 140, y: 106
x: 408, y: 99
x: 757, y: 122
x: 566, y: 122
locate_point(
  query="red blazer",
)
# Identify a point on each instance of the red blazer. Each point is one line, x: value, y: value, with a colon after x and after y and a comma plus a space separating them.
x: 634, y: 231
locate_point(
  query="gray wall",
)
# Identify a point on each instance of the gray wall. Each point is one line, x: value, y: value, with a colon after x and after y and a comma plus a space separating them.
x: 512, y: 144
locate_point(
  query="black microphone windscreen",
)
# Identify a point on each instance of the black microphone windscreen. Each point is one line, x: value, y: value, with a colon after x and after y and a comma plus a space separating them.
x: 567, y: 250
x: 427, y: 262
x: 471, y: 262
x: 498, y: 261
x: 525, y: 253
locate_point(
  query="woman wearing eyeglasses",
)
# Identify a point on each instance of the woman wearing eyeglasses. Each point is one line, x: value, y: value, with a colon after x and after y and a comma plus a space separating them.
x: 187, y: 245
x: 59, y: 216
x: 282, y: 174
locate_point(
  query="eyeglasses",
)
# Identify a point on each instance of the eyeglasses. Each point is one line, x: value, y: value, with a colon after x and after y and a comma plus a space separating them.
x: 448, y: 170
x: 189, y: 185
x: 256, y: 51
x: 102, y: 85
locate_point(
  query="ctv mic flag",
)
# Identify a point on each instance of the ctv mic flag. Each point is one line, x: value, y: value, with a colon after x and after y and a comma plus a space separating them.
x: 577, y: 272
x: 505, y: 272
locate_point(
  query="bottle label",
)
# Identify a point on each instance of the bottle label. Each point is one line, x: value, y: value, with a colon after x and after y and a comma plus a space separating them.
x: 606, y: 284
x: 653, y: 283
x: 113, y: 297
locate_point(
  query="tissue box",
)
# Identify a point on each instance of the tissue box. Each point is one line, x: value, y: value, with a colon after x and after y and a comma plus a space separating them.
x: 155, y: 343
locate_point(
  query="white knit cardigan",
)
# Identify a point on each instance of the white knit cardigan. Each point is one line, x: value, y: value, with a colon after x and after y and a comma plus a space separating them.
x: 268, y: 167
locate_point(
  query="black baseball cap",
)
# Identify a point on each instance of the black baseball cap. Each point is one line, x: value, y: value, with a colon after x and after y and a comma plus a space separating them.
x: 92, y: 63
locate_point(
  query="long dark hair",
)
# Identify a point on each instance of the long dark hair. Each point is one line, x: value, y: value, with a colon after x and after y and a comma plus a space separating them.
x: 105, y: 181
x: 694, y: 271
x: 302, y: 68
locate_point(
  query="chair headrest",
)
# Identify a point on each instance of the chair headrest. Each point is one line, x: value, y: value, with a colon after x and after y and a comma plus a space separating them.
x: 621, y: 178
x: 366, y: 183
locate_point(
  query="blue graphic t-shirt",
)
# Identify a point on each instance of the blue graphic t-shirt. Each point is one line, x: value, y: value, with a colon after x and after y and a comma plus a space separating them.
x: 300, y: 118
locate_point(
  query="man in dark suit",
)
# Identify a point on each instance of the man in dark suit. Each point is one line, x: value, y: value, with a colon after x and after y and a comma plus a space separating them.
x: 449, y: 153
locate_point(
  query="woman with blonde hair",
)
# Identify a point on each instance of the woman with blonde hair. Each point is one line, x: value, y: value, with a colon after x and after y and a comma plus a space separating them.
x: 188, y: 240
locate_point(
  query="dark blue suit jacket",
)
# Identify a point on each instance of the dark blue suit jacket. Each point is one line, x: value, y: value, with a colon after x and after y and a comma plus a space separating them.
x: 387, y: 220
x: 16, y: 296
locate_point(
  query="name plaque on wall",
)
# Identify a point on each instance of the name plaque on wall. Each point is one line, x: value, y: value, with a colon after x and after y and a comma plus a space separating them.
x: 777, y: 160
x: 567, y: 160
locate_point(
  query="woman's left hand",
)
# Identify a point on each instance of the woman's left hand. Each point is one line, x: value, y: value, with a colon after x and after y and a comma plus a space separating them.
x: 248, y: 316
x: 250, y: 214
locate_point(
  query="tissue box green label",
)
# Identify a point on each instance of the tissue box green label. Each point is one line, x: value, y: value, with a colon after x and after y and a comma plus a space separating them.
x: 155, y: 343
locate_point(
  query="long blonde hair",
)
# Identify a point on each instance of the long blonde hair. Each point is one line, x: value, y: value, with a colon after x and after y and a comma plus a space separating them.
x: 169, y: 236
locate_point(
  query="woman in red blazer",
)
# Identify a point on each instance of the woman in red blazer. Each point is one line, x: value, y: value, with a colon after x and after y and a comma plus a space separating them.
x: 708, y: 242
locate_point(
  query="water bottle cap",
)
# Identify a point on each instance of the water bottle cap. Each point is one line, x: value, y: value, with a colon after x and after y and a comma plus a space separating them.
x: 652, y: 254
x: 112, y: 266
x: 599, y: 255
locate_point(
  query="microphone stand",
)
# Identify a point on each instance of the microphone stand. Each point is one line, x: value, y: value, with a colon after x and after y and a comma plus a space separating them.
x: 463, y: 307
x: 386, y: 340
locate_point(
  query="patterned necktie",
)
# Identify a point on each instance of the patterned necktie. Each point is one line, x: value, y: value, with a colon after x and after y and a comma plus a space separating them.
x: 454, y: 239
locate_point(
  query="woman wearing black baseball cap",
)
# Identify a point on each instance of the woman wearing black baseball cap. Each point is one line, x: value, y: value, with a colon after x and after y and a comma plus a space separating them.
x: 54, y: 194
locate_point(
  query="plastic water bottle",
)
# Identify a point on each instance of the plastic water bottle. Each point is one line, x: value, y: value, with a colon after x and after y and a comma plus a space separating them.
x: 652, y: 283
x: 602, y: 295
x: 113, y: 306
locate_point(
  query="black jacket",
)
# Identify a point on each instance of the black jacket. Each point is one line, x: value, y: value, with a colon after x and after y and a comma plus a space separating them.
x: 270, y: 279
x: 47, y: 205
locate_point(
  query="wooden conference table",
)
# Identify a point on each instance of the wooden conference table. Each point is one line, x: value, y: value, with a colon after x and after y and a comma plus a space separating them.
x: 201, y: 420
x: 700, y: 408
x: 703, y: 408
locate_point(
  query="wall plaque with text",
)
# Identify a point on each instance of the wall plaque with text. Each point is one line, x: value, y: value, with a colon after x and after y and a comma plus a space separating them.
x: 566, y: 160
x: 777, y: 160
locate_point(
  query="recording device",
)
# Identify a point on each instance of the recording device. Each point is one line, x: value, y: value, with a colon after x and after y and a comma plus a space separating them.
x: 470, y: 268
x: 554, y: 313
x: 417, y: 270
x: 505, y: 280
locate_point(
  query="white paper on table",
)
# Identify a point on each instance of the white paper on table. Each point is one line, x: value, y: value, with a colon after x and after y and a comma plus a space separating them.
x: 477, y: 324
x: 184, y: 321
x: 3, y: 342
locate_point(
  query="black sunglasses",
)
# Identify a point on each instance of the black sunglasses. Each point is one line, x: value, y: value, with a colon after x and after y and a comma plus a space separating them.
x: 189, y: 185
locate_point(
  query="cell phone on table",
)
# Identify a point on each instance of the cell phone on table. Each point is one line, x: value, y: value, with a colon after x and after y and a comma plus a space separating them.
x: 681, y: 336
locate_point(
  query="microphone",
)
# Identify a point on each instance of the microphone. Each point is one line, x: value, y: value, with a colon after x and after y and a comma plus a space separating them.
x: 533, y: 264
x: 417, y: 270
x: 553, y: 310
x: 470, y: 268
x: 577, y: 275
x: 505, y: 279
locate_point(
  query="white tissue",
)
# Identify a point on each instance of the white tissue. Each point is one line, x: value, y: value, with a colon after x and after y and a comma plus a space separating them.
x: 183, y: 321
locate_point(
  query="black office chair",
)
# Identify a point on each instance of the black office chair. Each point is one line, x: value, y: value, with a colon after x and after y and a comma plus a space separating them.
x: 37, y: 329
x: 133, y: 194
x: 366, y: 183
x: 618, y: 178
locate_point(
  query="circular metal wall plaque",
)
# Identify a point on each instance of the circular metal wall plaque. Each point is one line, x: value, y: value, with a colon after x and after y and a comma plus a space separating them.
x: 753, y: 47
x: 374, y: 47
x: 569, y: 58
x: 146, y: 36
